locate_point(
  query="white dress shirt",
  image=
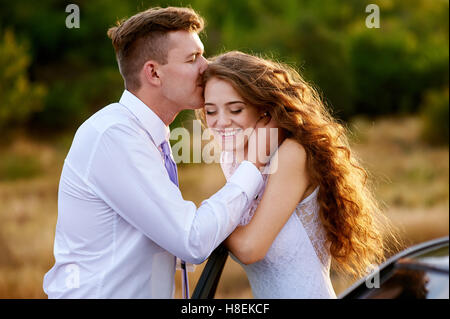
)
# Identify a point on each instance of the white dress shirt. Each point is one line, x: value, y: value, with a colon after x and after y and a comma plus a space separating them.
x: 121, y: 221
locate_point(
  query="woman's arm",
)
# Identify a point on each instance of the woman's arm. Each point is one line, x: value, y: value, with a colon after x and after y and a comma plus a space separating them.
x: 284, y: 190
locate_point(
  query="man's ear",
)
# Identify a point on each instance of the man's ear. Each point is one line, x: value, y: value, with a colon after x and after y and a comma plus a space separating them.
x: 150, y: 70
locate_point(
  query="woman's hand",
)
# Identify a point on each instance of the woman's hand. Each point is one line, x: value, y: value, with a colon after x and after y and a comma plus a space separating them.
x: 262, y: 143
x: 285, y: 188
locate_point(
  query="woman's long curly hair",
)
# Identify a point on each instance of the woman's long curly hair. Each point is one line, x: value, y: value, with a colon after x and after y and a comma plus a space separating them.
x: 353, y: 221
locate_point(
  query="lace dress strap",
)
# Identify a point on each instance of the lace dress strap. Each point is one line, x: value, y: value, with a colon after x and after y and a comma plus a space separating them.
x: 308, y: 212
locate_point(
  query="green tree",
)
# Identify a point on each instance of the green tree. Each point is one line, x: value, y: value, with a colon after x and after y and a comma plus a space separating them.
x: 19, y: 98
x: 357, y: 70
x: 435, y: 116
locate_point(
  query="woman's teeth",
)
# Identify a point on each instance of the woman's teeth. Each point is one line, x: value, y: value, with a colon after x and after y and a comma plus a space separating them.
x: 229, y: 133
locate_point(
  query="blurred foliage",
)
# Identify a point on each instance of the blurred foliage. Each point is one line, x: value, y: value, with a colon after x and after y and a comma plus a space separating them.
x: 435, y: 114
x: 357, y: 70
x: 13, y: 167
x: 18, y: 97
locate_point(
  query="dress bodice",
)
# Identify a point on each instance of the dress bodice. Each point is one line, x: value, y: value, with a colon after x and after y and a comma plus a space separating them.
x: 297, y: 265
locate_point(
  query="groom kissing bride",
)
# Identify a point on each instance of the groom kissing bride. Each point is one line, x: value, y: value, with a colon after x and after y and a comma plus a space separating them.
x: 122, y: 220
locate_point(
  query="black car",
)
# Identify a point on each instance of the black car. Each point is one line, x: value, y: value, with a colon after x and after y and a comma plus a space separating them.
x: 418, y: 272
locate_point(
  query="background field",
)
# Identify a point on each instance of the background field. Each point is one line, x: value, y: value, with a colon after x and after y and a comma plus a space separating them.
x: 412, y: 181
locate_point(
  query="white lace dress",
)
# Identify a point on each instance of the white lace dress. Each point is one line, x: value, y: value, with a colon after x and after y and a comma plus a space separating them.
x: 297, y: 265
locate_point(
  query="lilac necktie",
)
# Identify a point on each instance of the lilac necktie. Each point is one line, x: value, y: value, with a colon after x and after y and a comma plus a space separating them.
x: 171, y: 168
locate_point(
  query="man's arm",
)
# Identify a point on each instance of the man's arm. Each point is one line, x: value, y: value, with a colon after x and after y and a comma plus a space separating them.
x: 127, y: 172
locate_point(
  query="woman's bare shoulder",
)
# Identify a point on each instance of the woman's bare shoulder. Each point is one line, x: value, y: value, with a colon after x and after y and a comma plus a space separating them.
x: 291, y: 147
x: 291, y: 154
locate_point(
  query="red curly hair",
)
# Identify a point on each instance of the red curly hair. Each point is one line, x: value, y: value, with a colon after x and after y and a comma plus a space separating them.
x: 348, y: 210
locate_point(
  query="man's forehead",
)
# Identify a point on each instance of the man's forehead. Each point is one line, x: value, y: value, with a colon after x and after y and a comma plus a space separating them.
x: 184, y: 43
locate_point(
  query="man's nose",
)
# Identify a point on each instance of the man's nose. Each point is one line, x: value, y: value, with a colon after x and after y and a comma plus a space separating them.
x: 204, y: 64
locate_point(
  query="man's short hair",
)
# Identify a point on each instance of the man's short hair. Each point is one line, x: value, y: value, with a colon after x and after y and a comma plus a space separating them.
x: 144, y: 37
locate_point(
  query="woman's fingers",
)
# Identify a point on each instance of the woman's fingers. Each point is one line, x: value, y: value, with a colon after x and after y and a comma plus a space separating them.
x: 263, y: 142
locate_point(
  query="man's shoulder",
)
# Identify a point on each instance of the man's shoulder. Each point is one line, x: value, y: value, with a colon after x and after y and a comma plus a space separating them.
x: 113, y: 124
x: 111, y: 116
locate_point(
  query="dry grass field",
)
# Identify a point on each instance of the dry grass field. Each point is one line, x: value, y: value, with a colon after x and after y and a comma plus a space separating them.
x: 410, y: 177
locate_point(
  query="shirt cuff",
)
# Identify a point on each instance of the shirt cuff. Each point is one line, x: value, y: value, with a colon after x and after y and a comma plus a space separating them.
x: 249, y: 178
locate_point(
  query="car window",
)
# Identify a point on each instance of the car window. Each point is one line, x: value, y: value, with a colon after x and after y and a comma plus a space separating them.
x: 437, y: 286
x: 403, y: 284
x: 409, y: 281
x: 421, y: 271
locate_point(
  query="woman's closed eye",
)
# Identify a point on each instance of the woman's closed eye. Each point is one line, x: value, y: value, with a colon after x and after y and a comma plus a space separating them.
x: 231, y: 111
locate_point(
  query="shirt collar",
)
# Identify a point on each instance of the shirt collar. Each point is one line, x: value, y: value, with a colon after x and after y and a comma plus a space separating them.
x: 151, y: 122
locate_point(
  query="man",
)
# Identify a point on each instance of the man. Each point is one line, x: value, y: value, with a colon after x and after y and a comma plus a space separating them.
x: 121, y: 216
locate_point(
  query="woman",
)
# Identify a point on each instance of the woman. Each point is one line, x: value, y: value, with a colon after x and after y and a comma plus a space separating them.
x: 316, y: 206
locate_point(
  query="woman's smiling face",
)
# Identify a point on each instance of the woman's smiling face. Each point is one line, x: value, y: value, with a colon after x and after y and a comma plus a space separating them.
x: 227, y: 115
